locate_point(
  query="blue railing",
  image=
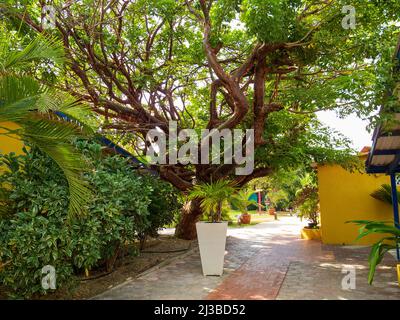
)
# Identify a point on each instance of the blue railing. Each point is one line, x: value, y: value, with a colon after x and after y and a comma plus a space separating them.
x: 109, y: 144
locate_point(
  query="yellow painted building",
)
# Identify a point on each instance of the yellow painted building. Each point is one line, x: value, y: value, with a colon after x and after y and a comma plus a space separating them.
x: 9, y: 143
x: 346, y: 196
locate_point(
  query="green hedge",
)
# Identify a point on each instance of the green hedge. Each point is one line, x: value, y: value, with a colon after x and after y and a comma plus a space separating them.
x: 37, y: 231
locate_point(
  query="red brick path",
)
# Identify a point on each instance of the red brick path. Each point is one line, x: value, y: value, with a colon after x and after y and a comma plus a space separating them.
x: 262, y: 275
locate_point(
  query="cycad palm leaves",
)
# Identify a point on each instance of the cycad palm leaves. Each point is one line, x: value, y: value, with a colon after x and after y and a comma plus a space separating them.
x: 28, y: 103
x: 212, y: 196
x: 384, y: 193
x: 241, y: 200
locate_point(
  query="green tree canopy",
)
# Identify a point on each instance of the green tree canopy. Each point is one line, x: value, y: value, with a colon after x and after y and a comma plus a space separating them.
x: 267, y: 65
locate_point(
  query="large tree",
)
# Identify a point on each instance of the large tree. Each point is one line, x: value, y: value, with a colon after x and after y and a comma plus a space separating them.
x: 269, y: 65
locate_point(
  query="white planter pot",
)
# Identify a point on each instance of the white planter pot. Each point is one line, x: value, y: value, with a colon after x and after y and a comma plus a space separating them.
x: 212, y: 239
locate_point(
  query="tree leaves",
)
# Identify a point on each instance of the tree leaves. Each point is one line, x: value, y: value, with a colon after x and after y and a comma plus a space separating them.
x: 30, y: 104
x: 271, y: 21
x: 147, y: 58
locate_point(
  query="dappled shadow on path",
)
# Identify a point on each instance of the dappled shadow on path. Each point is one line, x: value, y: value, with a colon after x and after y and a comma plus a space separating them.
x: 280, y: 265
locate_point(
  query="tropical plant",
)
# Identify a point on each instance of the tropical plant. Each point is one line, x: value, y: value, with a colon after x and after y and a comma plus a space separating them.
x: 276, y: 197
x: 389, y: 241
x: 284, y: 186
x: 308, y: 185
x: 307, y: 199
x: 309, y: 210
x: 384, y: 193
x: 29, y: 103
x: 212, y: 197
x: 241, y: 200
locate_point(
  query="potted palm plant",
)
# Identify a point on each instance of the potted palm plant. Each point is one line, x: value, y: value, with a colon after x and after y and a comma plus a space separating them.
x: 275, y: 197
x: 211, y: 234
x: 307, y: 202
x: 241, y: 200
x: 309, y: 210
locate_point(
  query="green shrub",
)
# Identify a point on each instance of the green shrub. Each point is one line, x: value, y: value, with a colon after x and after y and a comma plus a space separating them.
x: 38, y: 231
x: 309, y: 210
x: 163, y: 209
x: 35, y: 232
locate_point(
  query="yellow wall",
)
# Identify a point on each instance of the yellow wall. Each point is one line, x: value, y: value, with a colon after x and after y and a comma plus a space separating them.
x: 346, y: 196
x: 9, y: 144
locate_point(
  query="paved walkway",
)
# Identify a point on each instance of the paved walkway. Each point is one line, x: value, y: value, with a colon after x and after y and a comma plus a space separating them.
x: 266, y: 261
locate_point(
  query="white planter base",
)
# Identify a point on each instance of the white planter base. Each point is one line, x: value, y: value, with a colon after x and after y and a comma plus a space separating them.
x: 212, y: 240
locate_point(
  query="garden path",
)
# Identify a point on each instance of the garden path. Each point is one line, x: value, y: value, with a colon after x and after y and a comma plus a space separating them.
x: 266, y: 261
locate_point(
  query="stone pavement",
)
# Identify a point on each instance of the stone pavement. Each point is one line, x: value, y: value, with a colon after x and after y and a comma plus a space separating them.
x: 322, y: 279
x: 265, y: 261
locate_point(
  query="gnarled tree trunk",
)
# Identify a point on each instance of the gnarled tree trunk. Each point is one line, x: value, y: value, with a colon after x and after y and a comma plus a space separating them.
x: 191, y: 212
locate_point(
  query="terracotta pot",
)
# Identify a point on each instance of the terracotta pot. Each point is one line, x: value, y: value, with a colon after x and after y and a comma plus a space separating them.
x: 245, y: 218
x: 271, y: 211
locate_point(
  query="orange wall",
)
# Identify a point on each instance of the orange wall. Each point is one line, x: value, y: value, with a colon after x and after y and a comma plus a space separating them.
x: 346, y: 196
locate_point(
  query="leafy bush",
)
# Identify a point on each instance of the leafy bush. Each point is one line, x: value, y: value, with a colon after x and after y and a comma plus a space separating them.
x: 309, y: 210
x: 164, y: 207
x: 37, y: 231
x: 307, y: 200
